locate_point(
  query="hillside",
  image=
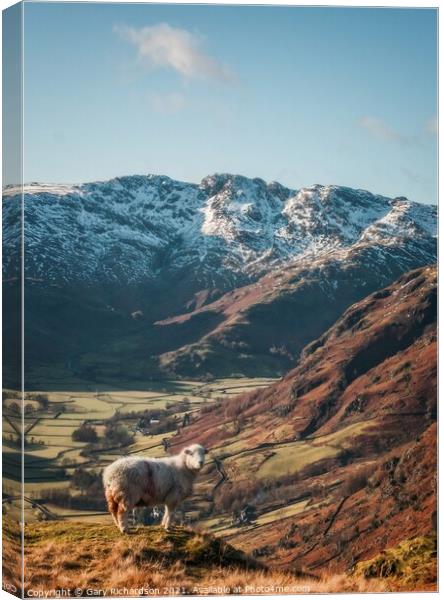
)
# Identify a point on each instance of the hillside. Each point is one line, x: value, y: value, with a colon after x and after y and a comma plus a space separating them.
x: 337, y: 460
x: 102, y: 259
x: 325, y: 478
x: 99, y: 556
x: 152, y: 562
x: 262, y: 327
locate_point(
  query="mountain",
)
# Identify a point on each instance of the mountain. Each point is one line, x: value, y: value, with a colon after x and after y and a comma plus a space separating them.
x: 228, y: 229
x: 112, y: 267
x: 337, y: 460
x: 261, y: 328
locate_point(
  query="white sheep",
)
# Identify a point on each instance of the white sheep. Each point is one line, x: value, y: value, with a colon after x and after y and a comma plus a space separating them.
x: 131, y: 482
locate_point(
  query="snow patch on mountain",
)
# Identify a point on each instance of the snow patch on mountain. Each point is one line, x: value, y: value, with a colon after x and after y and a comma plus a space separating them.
x: 145, y: 228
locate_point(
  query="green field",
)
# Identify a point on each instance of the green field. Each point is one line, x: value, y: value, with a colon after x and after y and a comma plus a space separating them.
x: 51, y: 454
x: 52, y: 457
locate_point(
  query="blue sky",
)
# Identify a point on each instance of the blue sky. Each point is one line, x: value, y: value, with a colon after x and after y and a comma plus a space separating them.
x: 299, y: 95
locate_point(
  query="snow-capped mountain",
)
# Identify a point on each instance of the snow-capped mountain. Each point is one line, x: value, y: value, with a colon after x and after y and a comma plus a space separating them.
x: 227, y: 230
x: 143, y: 275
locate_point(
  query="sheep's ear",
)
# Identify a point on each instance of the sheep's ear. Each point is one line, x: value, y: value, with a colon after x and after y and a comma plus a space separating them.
x: 187, y: 451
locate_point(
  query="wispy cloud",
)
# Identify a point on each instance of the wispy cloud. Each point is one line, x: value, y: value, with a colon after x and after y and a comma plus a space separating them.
x: 167, y: 103
x: 163, y: 46
x: 380, y: 129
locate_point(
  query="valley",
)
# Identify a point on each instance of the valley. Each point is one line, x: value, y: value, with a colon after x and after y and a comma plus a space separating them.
x: 318, y: 470
x: 293, y: 333
x: 52, y: 455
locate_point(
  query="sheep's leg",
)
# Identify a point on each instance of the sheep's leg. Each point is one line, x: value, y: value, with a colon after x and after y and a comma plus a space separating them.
x: 167, y: 517
x: 113, y: 507
x: 114, y: 516
x: 165, y: 513
x: 122, y: 518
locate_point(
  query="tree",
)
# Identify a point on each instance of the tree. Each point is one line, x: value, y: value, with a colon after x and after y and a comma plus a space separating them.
x: 14, y: 408
x: 43, y: 400
x: 82, y: 479
x: 85, y: 433
x: 117, y: 434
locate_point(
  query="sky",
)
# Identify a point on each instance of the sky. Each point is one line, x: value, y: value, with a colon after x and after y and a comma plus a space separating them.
x: 344, y: 96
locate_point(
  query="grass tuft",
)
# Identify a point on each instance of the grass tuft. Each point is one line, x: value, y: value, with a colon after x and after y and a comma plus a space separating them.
x: 411, y: 562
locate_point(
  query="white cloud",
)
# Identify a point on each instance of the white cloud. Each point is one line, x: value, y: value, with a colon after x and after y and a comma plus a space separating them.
x: 163, y: 46
x: 167, y: 103
x: 380, y: 129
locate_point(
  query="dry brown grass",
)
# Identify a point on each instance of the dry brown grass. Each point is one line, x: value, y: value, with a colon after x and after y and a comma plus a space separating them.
x: 11, y: 553
x: 129, y: 577
x: 151, y: 562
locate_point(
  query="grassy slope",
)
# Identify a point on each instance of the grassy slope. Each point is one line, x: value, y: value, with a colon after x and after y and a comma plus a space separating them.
x: 96, y: 556
x: 382, y: 415
x: 262, y: 327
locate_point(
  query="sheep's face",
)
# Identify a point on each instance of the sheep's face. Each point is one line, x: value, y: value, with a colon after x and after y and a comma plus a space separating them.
x: 194, y: 457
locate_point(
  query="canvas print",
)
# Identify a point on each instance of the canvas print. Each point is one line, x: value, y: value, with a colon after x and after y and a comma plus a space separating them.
x: 219, y: 299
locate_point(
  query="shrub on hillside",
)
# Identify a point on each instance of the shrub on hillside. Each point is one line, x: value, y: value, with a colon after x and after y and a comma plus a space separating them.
x: 356, y: 481
x: 234, y: 495
x: 211, y: 407
x: 240, y: 404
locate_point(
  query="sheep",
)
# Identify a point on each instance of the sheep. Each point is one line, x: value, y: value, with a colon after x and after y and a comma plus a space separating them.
x: 131, y: 482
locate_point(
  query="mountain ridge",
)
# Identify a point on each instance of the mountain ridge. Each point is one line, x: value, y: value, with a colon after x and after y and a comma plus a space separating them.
x: 258, y: 225
x: 125, y: 258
